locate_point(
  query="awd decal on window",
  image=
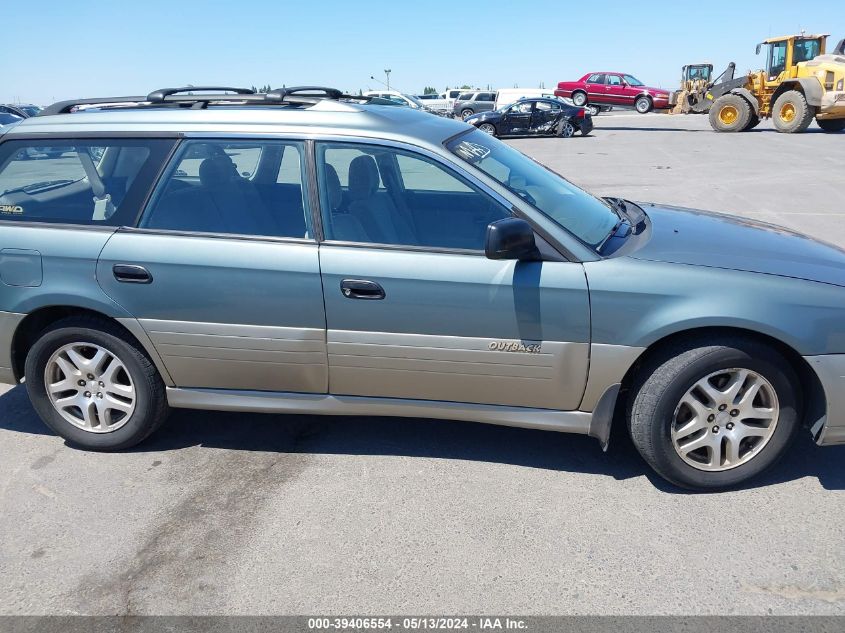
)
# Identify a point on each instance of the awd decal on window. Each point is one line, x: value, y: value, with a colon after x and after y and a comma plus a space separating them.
x: 515, y: 346
x: 11, y: 209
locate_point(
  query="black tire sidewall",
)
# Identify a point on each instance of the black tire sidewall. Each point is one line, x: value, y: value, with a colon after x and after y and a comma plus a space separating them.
x: 140, y: 422
x: 745, y: 112
x: 803, y: 115
x: 782, y: 378
x: 641, y: 100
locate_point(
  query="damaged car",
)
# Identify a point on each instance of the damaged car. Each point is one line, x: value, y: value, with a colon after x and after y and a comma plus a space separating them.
x: 534, y: 117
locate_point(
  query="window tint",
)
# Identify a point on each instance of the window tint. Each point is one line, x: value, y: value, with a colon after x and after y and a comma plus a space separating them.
x: 466, y: 96
x: 240, y: 188
x: 614, y: 80
x: 381, y: 195
x: 99, y: 182
x: 486, y: 96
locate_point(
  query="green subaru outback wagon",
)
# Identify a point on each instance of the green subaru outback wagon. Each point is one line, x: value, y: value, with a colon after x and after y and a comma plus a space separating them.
x: 305, y: 251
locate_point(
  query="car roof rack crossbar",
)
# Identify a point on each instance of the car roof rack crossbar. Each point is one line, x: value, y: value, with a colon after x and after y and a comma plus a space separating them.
x: 187, y: 97
x: 159, y: 95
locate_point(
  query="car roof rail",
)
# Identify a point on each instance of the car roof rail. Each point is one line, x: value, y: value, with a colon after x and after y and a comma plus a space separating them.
x: 200, y: 97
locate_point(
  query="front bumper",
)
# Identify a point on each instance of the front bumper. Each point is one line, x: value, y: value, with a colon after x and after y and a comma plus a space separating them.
x: 830, y: 428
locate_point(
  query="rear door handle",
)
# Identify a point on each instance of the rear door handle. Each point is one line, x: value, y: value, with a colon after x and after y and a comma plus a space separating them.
x: 361, y: 289
x: 132, y: 274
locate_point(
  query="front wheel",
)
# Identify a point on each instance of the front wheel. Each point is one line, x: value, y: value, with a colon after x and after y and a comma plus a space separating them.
x: 730, y: 113
x: 643, y: 105
x: 711, y: 415
x: 92, y: 384
x: 831, y: 125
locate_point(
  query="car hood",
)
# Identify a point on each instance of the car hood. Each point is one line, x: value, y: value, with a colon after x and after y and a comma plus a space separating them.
x: 704, y: 238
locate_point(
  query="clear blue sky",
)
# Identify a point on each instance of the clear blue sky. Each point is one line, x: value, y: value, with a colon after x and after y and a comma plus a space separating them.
x: 62, y: 49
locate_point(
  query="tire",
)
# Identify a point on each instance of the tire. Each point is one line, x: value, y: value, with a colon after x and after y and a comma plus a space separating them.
x: 149, y: 402
x: 488, y: 128
x: 831, y: 125
x: 643, y: 105
x: 791, y: 113
x: 657, y: 403
x: 594, y: 110
x: 579, y: 98
x: 730, y: 113
x: 753, y: 122
x: 466, y: 112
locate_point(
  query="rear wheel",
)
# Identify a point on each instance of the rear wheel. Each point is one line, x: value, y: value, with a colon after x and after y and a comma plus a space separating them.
x: 709, y: 415
x: 466, y: 112
x: 565, y: 129
x: 831, y: 125
x: 593, y: 109
x: 92, y: 384
x: 730, y: 113
x: 579, y: 99
x: 643, y: 105
x: 791, y: 113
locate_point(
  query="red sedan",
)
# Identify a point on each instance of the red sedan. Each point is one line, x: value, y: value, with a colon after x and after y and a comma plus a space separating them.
x: 613, y: 89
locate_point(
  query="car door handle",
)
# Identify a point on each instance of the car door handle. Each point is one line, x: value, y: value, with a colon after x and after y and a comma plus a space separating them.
x: 132, y: 274
x: 361, y: 289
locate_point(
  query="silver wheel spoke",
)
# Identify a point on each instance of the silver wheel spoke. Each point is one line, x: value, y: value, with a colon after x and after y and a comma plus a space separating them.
x: 725, y: 419
x: 90, y: 387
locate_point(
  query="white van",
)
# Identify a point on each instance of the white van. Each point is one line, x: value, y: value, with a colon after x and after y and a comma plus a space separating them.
x: 507, y: 96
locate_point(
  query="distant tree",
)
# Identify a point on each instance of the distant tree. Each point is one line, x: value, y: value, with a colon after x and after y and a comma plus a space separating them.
x: 466, y: 87
x: 429, y: 90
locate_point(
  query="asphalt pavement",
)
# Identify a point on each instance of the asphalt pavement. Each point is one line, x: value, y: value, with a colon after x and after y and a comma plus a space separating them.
x: 261, y: 514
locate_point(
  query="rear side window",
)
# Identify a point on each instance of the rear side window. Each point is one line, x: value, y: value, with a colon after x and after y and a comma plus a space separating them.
x: 92, y: 182
x: 233, y: 187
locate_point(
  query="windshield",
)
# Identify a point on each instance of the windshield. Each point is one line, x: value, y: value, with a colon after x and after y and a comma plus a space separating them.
x: 588, y: 218
x: 6, y: 118
x: 414, y: 100
x: 632, y: 81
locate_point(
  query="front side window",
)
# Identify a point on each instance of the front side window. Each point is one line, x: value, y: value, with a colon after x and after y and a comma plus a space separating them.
x: 92, y: 182
x: 381, y: 195
x: 233, y: 187
x: 521, y: 107
x: 587, y: 217
x: 614, y: 80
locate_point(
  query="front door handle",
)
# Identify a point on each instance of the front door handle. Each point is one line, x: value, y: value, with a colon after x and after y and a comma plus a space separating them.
x: 361, y: 289
x: 132, y: 274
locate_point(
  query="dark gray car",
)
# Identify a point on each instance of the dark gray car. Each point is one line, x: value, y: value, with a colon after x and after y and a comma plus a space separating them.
x: 469, y: 103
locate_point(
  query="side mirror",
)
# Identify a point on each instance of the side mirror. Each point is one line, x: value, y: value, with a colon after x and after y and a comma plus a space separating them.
x: 511, y: 238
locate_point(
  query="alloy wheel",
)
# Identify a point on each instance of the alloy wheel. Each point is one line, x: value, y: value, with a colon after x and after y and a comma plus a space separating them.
x: 725, y: 419
x: 90, y: 387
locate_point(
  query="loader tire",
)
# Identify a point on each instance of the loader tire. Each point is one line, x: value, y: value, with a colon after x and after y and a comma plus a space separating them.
x: 831, y: 125
x: 791, y: 113
x: 753, y: 122
x: 730, y: 113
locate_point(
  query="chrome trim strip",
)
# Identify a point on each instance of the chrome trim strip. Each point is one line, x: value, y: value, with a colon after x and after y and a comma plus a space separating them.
x: 325, y: 404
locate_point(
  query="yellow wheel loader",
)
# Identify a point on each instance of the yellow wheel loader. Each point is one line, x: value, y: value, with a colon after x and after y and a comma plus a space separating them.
x: 800, y: 83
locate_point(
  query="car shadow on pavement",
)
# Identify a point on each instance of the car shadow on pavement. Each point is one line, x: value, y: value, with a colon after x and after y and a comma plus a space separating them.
x: 413, y: 437
x: 634, y: 128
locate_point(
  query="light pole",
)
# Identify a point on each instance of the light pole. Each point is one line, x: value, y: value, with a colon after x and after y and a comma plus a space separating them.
x: 387, y: 74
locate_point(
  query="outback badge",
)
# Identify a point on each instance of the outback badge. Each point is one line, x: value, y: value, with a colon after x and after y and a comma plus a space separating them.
x: 515, y: 346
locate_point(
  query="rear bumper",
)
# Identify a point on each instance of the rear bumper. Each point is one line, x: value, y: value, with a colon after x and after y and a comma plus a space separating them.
x: 830, y: 368
x: 8, y: 324
x: 586, y: 126
x: 833, y: 105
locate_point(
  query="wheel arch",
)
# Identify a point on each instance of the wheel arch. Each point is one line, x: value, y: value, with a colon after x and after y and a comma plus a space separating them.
x: 808, y: 86
x: 746, y: 94
x: 35, y: 322
x: 812, y: 392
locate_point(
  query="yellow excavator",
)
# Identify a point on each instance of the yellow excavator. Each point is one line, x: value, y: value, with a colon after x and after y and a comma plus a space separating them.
x: 800, y: 83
